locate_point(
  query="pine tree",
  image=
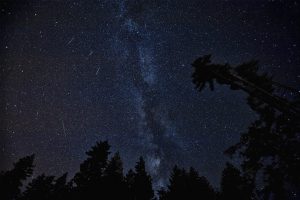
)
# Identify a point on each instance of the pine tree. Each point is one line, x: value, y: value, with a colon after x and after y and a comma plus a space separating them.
x: 113, y: 180
x: 115, y: 167
x: 177, y: 189
x: 199, y: 187
x: 12, y: 181
x: 129, y: 179
x: 47, y: 188
x: 141, y: 186
x: 61, y: 188
x: 270, y: 148
x: 89, y: 180
x: 187, y: 185
x: 233, y: 185
x: 39, y: 188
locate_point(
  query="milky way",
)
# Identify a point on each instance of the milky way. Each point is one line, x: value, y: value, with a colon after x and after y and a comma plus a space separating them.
x: 75, y: 72
x: 155, y: 131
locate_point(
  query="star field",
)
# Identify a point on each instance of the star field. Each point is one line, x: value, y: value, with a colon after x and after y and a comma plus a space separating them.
x: 75, y: 72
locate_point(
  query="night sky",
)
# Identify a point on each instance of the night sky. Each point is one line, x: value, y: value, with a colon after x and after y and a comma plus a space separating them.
x: 76, y: 72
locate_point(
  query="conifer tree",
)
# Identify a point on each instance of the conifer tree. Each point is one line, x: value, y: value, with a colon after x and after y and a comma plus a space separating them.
x: 234, y: 186
x: 113, y: 180
x: 141, y: 186
x: 270, y: 148
x: 199, y: 187
x: 129, y: 179
x: 48, y: 188
x: 89, y: 180
x: 187, y: 185
x: 11, y: 181
x: 39, y: 188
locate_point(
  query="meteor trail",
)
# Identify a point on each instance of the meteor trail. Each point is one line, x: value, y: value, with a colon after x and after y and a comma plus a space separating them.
x: 70, y: 41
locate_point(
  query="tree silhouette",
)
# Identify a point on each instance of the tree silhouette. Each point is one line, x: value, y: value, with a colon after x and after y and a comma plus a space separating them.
x: 199, y: 186
x: 40, y: 188
x: 140, y: 182
x: 11, y: 181
x: 89, y: 180
x: 270, y: 149
x: 187, y: 185
x: 129, y: 179
x: 271, y: 146
x: 234, y: 186
x: 244, y: 77
x: 114, y: 182
x: 62, y: 188
x: 46, y: 188
x: 102, y: 178
x: 176, y: 188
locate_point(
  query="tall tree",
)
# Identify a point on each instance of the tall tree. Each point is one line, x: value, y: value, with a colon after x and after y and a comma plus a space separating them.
x: 114, y: 168
x: 270, y: 152
x: 177, y: 186
x: 113, y: 180
x: 187, y: 185
x: 89, y: 180
x: 129, y: 179
x: 270, y: 149
x: 234, y: 186
x: 199, y: 186
x: 140, y: 182
x: 11, y: 181
x: 62, y: 188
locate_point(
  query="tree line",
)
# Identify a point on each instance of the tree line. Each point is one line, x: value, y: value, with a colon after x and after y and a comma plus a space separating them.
x: 101, y: 176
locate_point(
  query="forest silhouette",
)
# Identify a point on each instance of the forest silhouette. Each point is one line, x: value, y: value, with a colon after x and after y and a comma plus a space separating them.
x: 269, y: 152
